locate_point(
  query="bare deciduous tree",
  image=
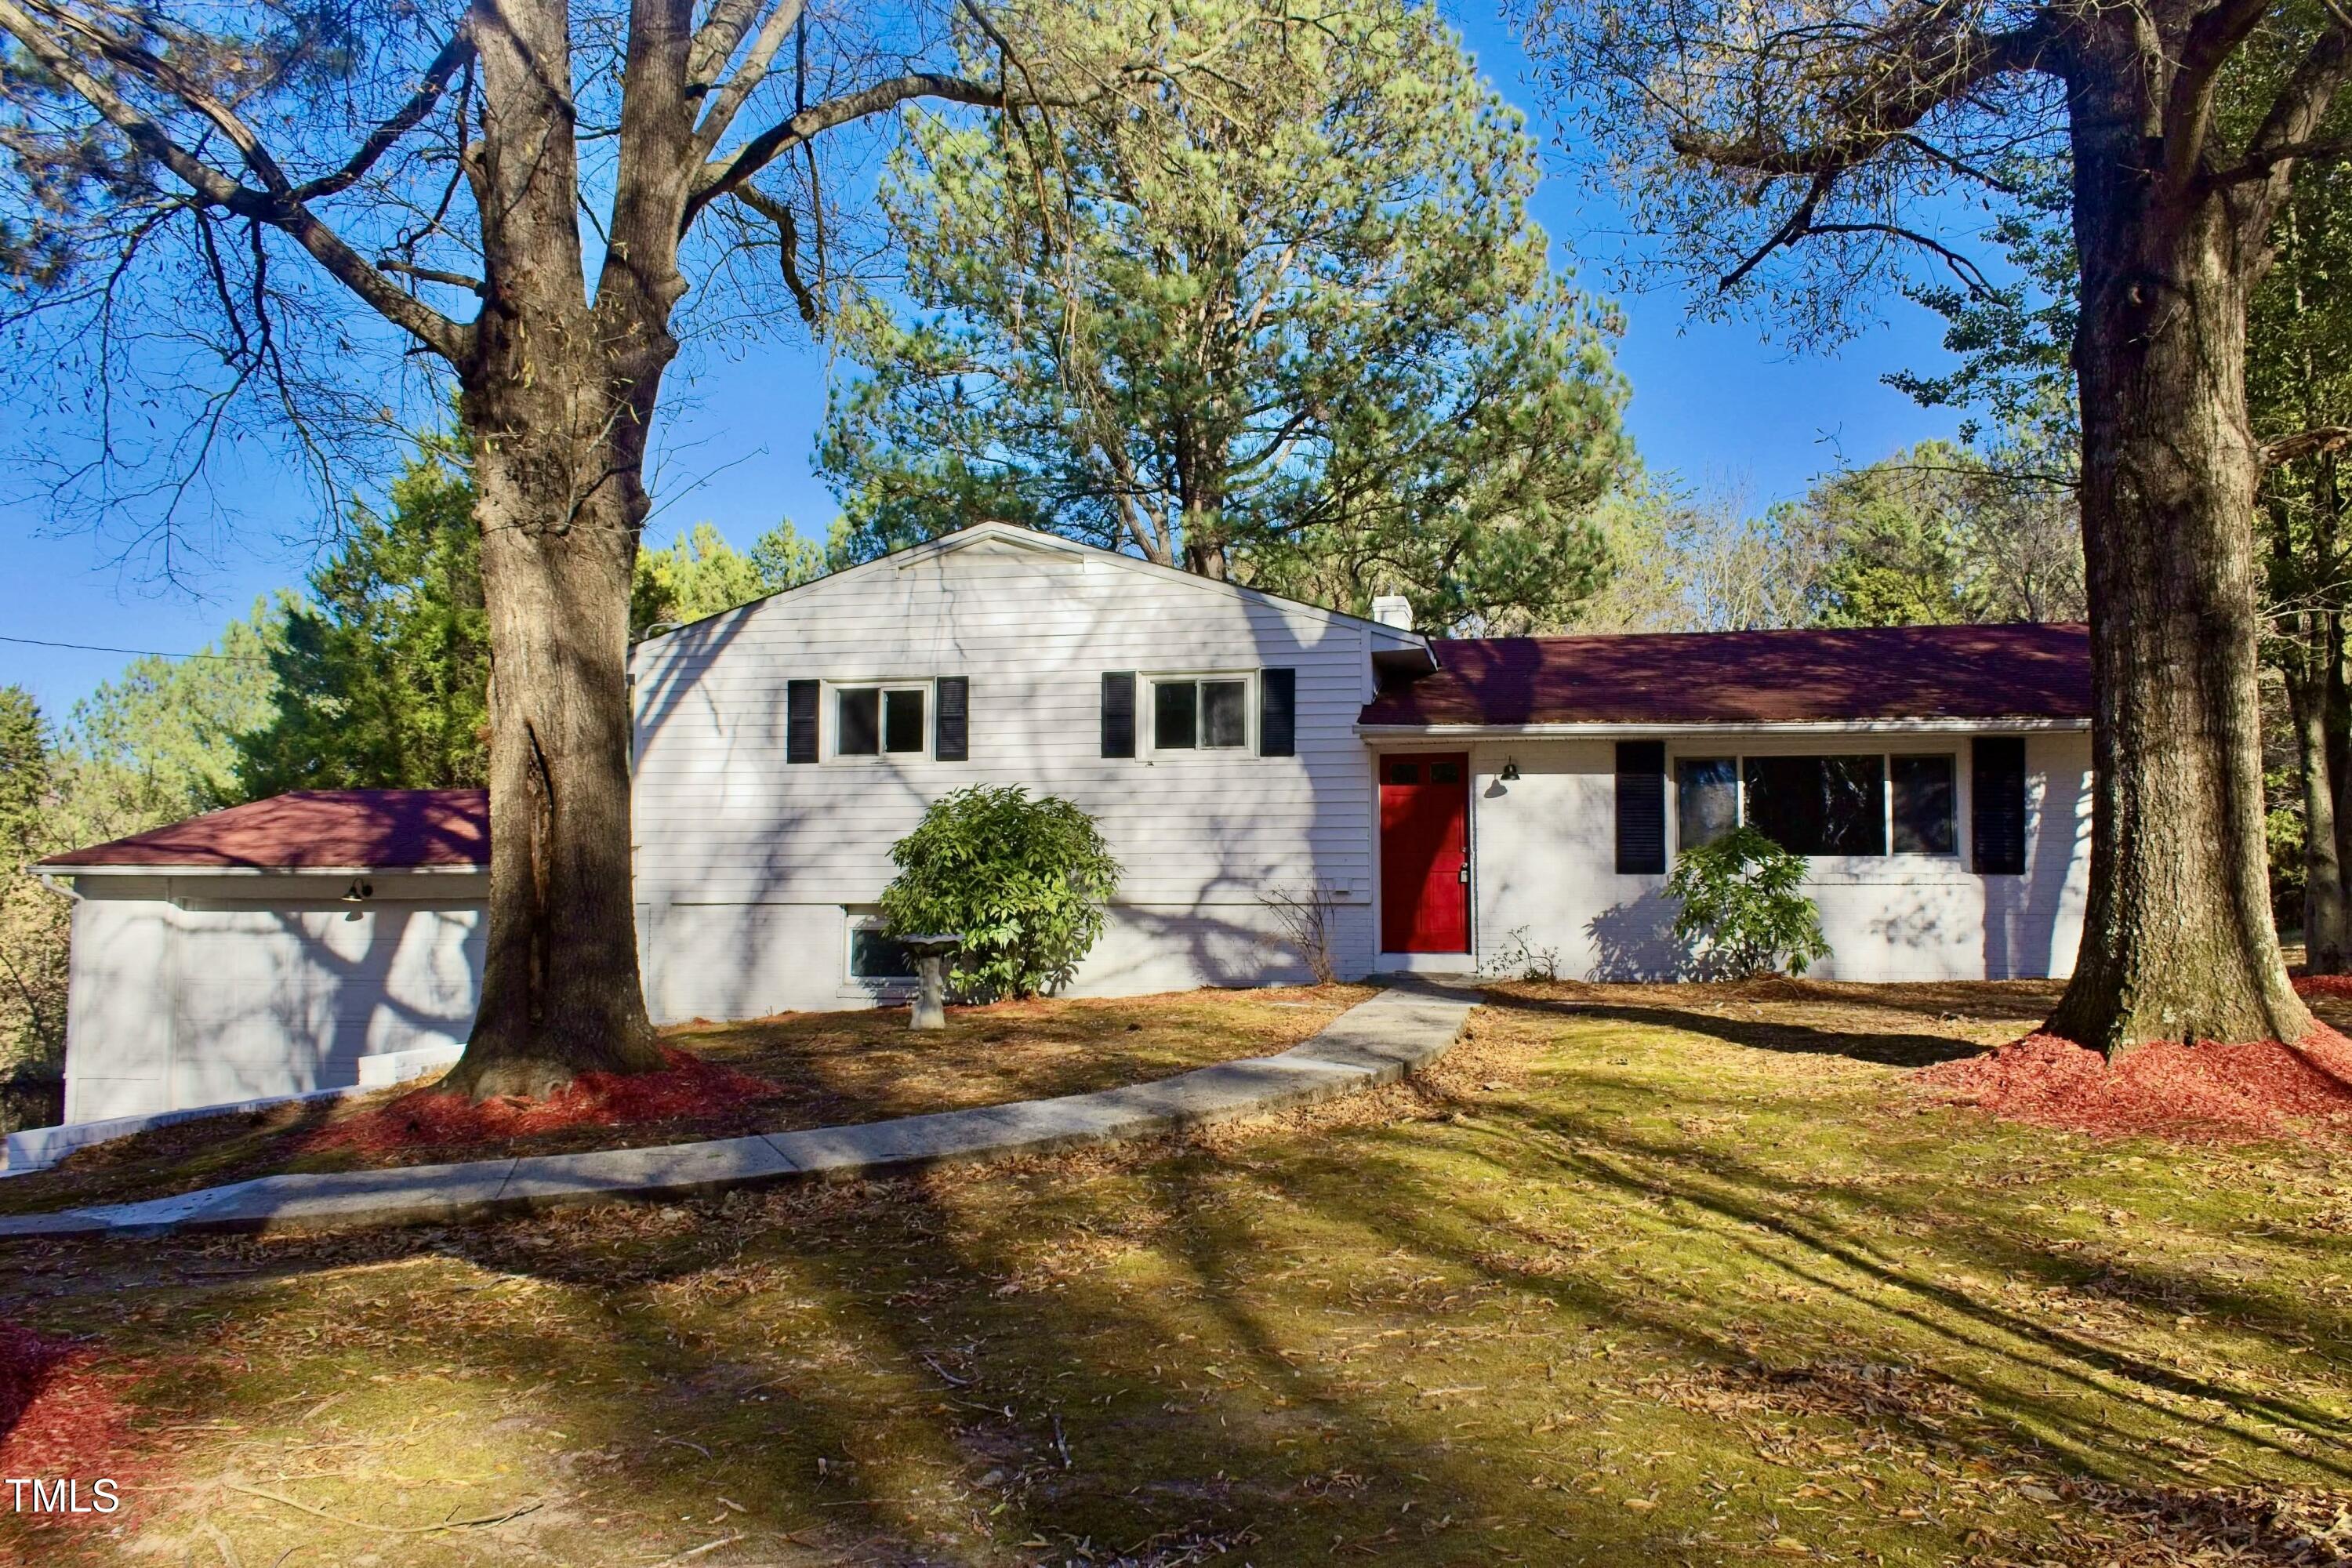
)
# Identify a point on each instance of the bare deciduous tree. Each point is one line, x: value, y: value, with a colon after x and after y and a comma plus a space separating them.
x: 522, y: 192
x: 1799, y: 150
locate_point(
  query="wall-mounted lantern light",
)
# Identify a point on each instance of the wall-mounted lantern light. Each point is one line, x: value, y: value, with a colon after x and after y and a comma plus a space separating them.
x: 358, y: 892
x: 1511, y: 771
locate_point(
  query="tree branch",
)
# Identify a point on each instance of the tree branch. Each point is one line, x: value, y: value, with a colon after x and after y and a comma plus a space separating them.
x: 2301, y: 106
x: 722, y: 176
x: 788, y: 227
x: 275, y: 207
x: 2213, y: 39
x: 1798, y: 223
x: 2308, y: 443
x: 1971, y: 277
x: 435, y: 275
x: 2259, y: 167
x: 435, y: 81
x: 125, y: 55
x: 1889, y: 112
x: 730, y: 99
x: 716, y: 41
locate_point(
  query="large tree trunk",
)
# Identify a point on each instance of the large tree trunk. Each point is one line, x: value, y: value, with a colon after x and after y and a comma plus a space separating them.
x: 560, y: 985
x: 558, y: 396
x: 2178, y: 942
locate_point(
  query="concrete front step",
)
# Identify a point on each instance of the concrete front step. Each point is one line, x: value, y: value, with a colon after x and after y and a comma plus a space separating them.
x: 1377, y: 1041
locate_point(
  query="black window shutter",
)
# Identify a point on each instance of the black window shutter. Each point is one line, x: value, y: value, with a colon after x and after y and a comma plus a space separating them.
x: 1641, y: 808
x: 952, y: 740
x: 800, y: 720
x: 1997, y: 810
x: 1277, y: 712
x: 1118, y: 713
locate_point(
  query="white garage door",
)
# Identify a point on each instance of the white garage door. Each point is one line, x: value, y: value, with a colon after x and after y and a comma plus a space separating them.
x: 280, y: 1001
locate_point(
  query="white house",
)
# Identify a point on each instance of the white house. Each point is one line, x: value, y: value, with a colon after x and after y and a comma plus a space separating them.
x: 1459, y: 803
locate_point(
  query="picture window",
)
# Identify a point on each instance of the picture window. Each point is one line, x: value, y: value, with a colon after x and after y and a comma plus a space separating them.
x: 1857, y: 804
x: 1819, y: 805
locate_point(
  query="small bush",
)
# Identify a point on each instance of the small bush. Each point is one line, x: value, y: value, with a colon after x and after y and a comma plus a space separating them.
x: 1303, y: 923
x: 1520, y: 959
x: 1024, y: 880
x: 1742, y: 915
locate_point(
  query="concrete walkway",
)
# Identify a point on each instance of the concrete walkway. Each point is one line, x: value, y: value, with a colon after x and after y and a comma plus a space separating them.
x: 1375, y: 1042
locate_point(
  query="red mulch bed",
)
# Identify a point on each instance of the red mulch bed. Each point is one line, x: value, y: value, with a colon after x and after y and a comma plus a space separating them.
x: 2322, y: 985
x: 689, y: 1088
x: 60, y: 1416
x: 2209, y: 1091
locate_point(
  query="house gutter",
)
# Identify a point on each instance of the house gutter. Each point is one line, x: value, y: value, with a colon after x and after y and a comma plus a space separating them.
x: 187, y: 869
x: 1726, y: 727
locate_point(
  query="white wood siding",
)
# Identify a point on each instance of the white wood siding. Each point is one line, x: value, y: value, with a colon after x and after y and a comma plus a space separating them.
x: 745, y: 863
x: 202, y: 991
x: 1544, y: 855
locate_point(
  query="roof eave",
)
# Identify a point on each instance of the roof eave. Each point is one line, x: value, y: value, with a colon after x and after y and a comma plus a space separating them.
x: 1604, y: 729
x: 198, y: 868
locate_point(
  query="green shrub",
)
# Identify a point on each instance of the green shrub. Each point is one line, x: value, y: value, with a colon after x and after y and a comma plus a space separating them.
x: 1024, y: 880
x: 1742, y: 915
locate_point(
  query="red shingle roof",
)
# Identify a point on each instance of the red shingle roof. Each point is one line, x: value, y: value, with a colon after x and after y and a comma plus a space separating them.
x: 1744, y: 677
x: 378, y: 829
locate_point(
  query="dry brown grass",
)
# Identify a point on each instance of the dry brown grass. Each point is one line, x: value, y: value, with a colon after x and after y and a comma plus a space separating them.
x: 1631, y: 1277
x: 834, y: 1069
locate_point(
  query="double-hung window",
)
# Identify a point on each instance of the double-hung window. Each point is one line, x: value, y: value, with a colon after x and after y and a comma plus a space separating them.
x: 1200, y: 714
x: 880, y: 721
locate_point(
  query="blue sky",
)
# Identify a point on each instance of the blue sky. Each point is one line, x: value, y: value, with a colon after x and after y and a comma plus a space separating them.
x: 1721, y: 404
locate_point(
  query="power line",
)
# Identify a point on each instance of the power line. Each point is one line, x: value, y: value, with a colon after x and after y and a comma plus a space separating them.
x: 140, y: 652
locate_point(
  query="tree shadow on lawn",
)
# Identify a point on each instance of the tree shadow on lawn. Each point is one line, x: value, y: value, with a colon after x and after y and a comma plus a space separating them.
x: 1164, y: 1352
x: 1776, y: 1227
x: 1764, y: 1034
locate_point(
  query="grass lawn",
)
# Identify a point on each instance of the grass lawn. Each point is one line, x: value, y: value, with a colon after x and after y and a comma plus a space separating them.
x: 835, y: 1068
x: 1635, y: 1276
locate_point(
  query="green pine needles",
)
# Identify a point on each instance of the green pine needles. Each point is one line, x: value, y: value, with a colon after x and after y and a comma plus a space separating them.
x: 1023, y: 879
x: 1742, y: 915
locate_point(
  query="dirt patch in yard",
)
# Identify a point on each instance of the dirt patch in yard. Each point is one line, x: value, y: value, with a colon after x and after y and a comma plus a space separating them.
x: 778, y: 1074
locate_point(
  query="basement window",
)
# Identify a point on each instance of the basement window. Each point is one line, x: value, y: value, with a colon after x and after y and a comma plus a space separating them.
x: 874, y: 956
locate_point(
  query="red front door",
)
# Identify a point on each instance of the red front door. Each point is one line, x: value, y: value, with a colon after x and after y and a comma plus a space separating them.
x: 1425, y: 854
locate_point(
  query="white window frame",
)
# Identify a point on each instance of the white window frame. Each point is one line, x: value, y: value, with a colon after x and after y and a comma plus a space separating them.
x: 1888, y: 766
x: 854, y: 920
x: 1820, y: 747
x: 829, y: 721
x: 1147, y: 712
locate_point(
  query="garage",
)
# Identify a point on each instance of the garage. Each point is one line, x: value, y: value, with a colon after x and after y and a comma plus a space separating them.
x: 271, y: 948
